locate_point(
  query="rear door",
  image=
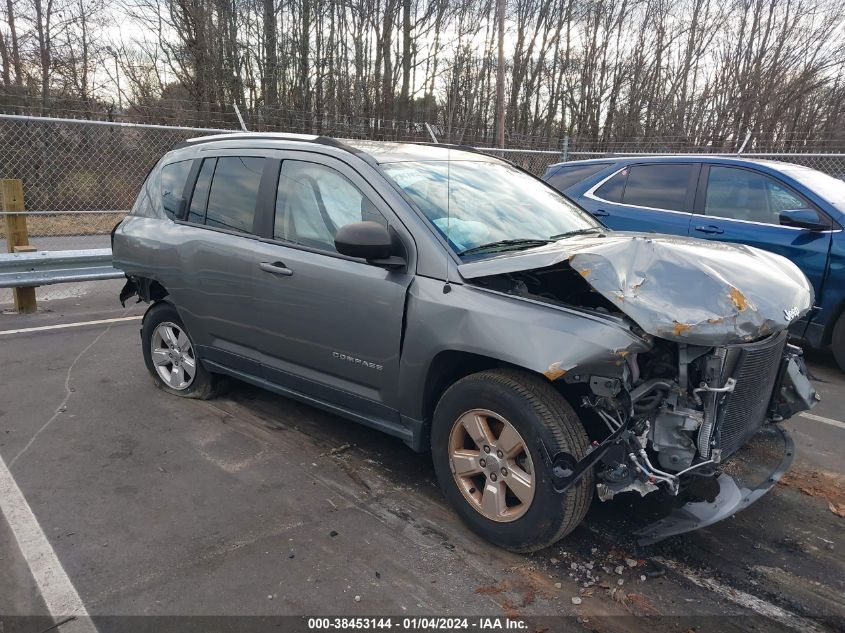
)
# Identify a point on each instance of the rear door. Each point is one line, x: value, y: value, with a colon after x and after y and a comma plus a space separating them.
x: 328, y: 325
x: 217, y: 253
x: 738, y: 204
x: 650, y: 197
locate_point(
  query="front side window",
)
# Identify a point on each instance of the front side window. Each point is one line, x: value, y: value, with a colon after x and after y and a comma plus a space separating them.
x: 741, y: 194
x: 474, y: 204
x: 313, y: 201
x: 234, y: 192
x: 173, y: 179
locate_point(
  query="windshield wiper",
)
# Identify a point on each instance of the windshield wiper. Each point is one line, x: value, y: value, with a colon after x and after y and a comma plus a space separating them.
x: 560, y: 236
x: 502, y: 245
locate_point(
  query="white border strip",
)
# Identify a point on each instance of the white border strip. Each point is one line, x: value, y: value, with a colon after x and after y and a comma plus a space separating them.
x: 62, y: 326
x: 824, y: 420
x: 53, y: 583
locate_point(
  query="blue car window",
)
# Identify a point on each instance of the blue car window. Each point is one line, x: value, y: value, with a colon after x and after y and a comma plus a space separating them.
x: 741, y: 194
x: 613, y: 188
x: 569, y: 175
x: 659, y: 186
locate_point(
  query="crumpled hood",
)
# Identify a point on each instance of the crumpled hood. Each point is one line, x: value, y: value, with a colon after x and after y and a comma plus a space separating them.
x: 679, y: 289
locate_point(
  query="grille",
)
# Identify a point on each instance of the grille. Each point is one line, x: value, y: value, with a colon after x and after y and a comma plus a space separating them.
x: 755, y: 367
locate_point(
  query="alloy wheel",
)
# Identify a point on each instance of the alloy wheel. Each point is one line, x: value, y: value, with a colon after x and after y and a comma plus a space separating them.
x: 173, y: 356
x: 491, y: 465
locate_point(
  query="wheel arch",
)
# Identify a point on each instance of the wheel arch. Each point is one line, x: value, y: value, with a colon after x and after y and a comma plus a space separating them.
x: 449, y: 366
x: 835, y: 315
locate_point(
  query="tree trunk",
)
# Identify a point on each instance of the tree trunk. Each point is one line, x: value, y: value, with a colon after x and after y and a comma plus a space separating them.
x: 500, y: 76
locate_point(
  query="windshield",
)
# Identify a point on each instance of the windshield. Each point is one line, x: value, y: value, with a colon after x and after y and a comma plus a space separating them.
x: 473, y: 204
x: 830, y: 188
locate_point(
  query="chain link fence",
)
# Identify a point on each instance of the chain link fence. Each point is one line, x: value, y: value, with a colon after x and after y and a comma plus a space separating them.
x: 81, y: 177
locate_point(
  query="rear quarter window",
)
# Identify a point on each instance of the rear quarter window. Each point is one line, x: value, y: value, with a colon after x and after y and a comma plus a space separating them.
x: 173, y: 179
x: 569, y: 175
x: 613, y: 188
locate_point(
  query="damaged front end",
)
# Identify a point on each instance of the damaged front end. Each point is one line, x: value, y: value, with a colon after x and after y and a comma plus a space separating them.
x: 691, y: 410
x: 719, y: 370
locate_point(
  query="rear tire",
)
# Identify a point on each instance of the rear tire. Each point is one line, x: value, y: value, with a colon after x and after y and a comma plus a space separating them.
x: 504, y: 408
x: 170, y: 355
x: 837, y: 343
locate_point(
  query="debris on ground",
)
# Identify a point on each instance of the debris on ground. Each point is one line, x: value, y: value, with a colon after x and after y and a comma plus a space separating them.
x: 576, y: 600
x: 820, y: 484
x: 337, y: 450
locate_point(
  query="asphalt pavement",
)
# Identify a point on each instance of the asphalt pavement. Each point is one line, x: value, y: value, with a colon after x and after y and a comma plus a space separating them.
x: 255, y: 505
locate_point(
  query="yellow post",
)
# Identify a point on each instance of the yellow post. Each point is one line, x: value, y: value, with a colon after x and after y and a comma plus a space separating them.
x: 17, y: 238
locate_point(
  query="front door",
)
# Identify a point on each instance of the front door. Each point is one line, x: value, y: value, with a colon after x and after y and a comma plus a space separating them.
x: 330, y: 326
x: 742, y: 205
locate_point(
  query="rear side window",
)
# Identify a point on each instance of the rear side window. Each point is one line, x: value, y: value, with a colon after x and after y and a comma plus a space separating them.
x: 199, y: 200
x: 173, y: 179
x: 658, y: 186
x: 233, y: 193
x: 569, y: 175
x: 613, y: 188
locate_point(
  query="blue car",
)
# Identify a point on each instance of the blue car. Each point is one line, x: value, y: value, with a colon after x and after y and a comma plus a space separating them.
x: 788, y: 209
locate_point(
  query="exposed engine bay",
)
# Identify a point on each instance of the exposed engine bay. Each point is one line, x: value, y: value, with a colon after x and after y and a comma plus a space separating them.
x: 670, y: 414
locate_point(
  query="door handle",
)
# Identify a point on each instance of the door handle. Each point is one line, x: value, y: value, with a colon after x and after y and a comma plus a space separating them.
x: 275, y: 268
x: 600, y: 213
x: 710, y: 228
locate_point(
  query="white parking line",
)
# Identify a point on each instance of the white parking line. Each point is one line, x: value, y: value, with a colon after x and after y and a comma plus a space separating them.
x: 53, y: 583
x: 819, y: 418
x: 746, y: 600
x: 61, y: 326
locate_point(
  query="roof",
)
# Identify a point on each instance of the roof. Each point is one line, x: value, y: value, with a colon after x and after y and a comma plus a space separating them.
x: 737, y: 159
x: 379, y: 151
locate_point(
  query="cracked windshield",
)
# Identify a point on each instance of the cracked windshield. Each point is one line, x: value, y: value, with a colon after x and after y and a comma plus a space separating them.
x: 484, y: 207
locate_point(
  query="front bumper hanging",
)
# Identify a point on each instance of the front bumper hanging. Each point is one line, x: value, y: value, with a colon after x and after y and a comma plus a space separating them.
x: 732, y: 497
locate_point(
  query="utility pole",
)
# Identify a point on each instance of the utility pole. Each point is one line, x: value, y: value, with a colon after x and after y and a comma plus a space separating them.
x: 500, y: 76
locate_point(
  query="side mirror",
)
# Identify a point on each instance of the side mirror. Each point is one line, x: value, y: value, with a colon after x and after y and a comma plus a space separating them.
x: 367, y: 240
x: 804, y: 219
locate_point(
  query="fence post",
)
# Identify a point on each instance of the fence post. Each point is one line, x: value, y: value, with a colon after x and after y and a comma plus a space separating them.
x: 564, y: 149
x: 17, y: 238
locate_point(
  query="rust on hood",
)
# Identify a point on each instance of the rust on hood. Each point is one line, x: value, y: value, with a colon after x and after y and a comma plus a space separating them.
x: 738, y: 299
x: 680, y: 329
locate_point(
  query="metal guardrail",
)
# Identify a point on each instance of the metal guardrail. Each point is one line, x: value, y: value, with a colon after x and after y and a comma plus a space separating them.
x: 43, y: 268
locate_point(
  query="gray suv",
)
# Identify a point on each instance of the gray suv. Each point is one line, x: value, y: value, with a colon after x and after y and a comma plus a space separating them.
x: 455, y: 301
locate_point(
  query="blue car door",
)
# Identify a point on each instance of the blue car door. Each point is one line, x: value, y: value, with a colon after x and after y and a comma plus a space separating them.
x: 650, y: 197
x: 739, y: 204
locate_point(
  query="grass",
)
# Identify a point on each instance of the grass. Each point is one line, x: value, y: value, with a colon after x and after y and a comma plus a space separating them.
x: 67, y: 224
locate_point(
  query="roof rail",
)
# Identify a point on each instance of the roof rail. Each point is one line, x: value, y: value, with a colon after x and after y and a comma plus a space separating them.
x: 279, y: 136
x: 265, y: 136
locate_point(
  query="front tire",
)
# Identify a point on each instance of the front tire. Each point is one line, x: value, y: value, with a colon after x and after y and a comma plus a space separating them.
x: 170, y: 355
x: 485, y: 443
